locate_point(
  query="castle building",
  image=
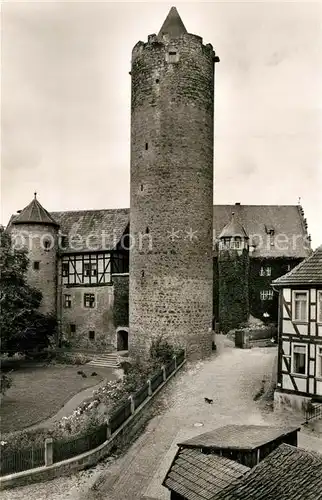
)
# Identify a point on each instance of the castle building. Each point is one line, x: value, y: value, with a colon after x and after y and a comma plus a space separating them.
x: 168, y: 266
x: 84, y: 277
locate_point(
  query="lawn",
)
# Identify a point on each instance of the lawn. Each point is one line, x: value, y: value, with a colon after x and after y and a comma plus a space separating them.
x: 39, y: 392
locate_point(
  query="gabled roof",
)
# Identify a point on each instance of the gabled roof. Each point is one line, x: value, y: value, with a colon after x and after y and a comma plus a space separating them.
x: 288, y: 473
x: 233, y: 229
x: 308, y: 272
x: 92, y: 230
x: 195, y: 475
x: 290, y: 237
x: 173, y: 25
x: 242, y: 437
x: 34, y: 213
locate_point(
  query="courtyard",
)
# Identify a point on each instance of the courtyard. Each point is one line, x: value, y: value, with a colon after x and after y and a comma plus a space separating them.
x: 231, y: 377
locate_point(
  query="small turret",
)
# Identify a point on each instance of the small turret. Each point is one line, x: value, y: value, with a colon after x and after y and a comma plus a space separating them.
x: 233, y: 268
x: 36, y: 230
x: 233, y: 236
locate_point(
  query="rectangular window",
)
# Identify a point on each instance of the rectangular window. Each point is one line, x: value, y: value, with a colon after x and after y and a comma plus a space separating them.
x: 67, y: 301
x: 90, y: 269
x: 299, y: 359
x: 89, y: 300
x: 300, y: 306
x: 91, y: 335
x: 72, y: 328
x: 265, y: 271
x: 36, y: 265
x: 65, y: 269
x: 319, y: 306
x: 319, y: 362
x: 266, y: 294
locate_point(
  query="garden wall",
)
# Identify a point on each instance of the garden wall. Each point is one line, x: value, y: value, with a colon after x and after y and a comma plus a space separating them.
x: 121, y: 436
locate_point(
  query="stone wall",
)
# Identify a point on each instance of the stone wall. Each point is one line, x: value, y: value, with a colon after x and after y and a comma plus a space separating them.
x: 99, y: 319
x: 33, y: 238
x: 171, y: 266
x: 121, y: 300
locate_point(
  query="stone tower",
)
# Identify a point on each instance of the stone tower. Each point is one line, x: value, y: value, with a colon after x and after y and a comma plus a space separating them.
x: 35, y: 229
x: 171, y: 221
x: 233, y: 268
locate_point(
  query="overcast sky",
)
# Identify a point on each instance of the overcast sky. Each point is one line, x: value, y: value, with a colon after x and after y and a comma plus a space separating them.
x: 66, y: 101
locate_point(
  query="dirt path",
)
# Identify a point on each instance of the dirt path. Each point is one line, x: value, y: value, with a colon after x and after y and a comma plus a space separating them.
x: 231, y: 378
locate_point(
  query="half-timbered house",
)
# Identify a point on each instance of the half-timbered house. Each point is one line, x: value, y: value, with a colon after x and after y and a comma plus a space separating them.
x: 300, y: 333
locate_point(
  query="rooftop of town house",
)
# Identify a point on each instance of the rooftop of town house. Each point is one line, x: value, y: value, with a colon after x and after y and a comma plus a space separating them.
x: 243, y: 437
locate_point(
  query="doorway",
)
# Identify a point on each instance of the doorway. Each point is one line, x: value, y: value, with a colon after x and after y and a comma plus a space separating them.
x: 122, y: 340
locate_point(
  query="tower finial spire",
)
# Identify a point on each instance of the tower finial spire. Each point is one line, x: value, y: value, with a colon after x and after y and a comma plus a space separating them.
x: 35, y: 194
x: 173, y: 25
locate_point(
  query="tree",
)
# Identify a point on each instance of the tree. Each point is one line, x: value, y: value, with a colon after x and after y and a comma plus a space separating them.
x: 23, y: 328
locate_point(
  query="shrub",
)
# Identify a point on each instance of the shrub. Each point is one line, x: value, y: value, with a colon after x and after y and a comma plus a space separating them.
x: 5, y: 383
x: 68, y: 358
x: 161, y: 351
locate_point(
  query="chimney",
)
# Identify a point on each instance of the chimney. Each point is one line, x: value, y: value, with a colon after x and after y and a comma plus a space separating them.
x: 238, y: 203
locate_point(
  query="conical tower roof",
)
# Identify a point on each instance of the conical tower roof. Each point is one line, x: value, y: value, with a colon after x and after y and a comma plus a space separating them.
x: 34, y: 213
x: 233, y: 229
x: 173, y: 25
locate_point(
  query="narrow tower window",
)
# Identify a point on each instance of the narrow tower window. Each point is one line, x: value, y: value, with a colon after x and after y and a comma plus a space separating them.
x: 146, y: 146
x: 141, y: 187
x: 157, y: 80
x: 142, y: 274
x: 36, y: 265
x: 147, y: 230
x: 91, y: 335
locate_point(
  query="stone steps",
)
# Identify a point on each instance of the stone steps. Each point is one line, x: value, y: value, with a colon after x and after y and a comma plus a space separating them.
x: 107, y: 360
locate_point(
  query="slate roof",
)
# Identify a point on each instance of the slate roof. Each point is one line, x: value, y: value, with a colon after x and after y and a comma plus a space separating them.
x: 243, y: 437
x: 308, y: 272
x: 288, y: 473
x: 34, y: 213
x: 197, y: 476
x: 93, y: 229
x: 287, y: 221
x: 173, y: 25
x: 233, y: 229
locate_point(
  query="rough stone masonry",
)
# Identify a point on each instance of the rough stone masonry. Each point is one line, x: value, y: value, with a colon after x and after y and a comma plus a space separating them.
x: 171, y: 221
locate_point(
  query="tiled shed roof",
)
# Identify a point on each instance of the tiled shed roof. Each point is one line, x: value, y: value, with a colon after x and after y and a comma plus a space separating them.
x: 197, y: 476
x: 308, y: 272
x: 243, y: 437
x: 288, y: 473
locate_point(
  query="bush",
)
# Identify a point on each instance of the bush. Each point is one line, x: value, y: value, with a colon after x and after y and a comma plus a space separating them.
x: 68, y: 358
x: 5, y: 383
x: 161, y: 351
